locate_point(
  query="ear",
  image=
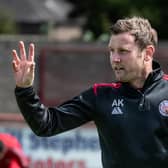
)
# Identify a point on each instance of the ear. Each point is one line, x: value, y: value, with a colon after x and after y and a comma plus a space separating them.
x: 149, y: 52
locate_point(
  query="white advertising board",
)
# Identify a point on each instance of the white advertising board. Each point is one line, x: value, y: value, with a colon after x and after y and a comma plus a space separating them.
x: 78, y: 148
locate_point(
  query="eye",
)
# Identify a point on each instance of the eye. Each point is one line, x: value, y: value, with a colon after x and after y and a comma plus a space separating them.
x: 123, y: 51
x: 111, y: 50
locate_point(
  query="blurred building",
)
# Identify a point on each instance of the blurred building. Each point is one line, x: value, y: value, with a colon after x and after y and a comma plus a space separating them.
x: 37, y: 16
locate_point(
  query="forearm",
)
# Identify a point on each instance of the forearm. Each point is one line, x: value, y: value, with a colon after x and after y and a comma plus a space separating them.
x: 46, y: 121
x: 31, y: 108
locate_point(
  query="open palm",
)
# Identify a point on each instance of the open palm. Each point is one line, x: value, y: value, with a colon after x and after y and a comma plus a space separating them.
x: 24, y: 66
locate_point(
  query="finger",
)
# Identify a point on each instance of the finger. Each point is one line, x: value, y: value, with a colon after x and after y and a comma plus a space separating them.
x: 15, y: 56
x: 31, y: 52
x: 22, y: 50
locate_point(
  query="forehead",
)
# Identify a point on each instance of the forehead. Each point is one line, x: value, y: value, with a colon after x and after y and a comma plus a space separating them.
x: 122, y: 39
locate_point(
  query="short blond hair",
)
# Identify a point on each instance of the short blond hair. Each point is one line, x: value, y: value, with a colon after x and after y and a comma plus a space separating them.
x: 139, y: 27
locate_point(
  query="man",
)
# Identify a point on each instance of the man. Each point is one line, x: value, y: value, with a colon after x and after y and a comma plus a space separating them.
x: 131, y: 115
x: 11, y: 152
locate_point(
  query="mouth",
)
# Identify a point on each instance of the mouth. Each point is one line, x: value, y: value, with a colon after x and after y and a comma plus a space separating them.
x: 117, y: 69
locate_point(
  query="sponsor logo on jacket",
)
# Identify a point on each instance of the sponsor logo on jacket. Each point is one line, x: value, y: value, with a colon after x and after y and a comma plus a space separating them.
x: 117, y: 106
x: 163, y: 108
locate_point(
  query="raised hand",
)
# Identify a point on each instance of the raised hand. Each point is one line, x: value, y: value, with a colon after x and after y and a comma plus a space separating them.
x: 24, y: 66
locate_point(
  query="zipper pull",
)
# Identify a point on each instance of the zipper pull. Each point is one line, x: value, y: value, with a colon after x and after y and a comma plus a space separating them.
x: 142, y: 103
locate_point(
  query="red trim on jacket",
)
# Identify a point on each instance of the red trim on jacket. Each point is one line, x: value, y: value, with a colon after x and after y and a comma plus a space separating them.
x: 113, y: 85
x: 165, y: 77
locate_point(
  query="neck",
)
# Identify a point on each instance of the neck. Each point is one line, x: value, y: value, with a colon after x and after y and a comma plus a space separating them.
x: 139, y: 82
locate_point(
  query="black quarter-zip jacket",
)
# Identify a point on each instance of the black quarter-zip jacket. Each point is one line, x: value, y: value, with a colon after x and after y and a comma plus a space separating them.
x: 132, y: 124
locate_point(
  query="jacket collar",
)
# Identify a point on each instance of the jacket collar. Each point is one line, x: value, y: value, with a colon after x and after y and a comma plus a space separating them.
x: 152, y: 78
x: 155, y: 75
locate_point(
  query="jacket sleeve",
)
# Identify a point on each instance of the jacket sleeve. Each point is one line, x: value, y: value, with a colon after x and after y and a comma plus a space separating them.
x: 47, y: 121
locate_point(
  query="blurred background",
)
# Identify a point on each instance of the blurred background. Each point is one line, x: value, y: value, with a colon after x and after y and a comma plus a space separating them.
x: 71, y: 40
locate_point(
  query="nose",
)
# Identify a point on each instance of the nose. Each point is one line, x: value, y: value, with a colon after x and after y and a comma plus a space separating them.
x: 115, y: 57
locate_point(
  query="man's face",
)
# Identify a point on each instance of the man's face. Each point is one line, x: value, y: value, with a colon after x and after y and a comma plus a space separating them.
x: 126, y: 59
